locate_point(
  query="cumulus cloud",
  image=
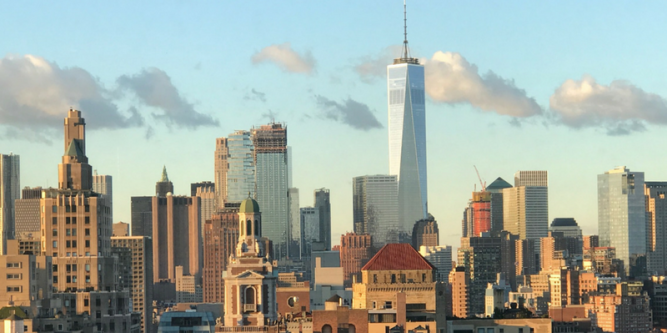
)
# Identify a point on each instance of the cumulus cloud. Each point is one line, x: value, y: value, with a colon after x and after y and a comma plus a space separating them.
x: 283, y: 56
x: 450, y: 78
x: 371, y: 68
x: 153, y: 87
x: 620, y: 108
x: 357, y: 115
x: 35, y: 94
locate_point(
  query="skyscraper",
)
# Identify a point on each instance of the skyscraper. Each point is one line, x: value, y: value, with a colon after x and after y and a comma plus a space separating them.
x: 374, y: 208
x: 622, y: 213
x: 425, y: 233
x: 234, y: 168
x: 310, y: 229
x: 656, y: 213
x: 323, y: 206
x: 271, y: 184
x: 407, y: 136
x: 526, y: 206
x: 496, y: 190
x: 355, y: 251
x: 103, y: 184
x: 220, y: 238
x: 10, y: 190
x: 295, y: 223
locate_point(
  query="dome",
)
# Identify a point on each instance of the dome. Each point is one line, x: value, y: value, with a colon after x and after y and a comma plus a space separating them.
x: 249, y: 205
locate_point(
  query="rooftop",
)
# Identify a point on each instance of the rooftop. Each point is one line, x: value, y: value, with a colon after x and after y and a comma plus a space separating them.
x: 397, y: 257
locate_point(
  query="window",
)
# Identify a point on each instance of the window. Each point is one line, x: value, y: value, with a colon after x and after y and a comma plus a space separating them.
x: 87, y: 208
x: 87, y: 220
x: 87, y: 243
x: 68, y: 268
x: 74, y: 244
x: 13, y: 276
x: 68, y: 208
x: 423, y: 277
x: 55, y: 245
x: 85, y: 302
x: 375, y: 279
x: 393, y: 278
x: 98, y: 302
x: 87, y: 232
x: 55, y: 268
x: 55, y: 220
x: 68, y: 279
x: 387, y: 305
x: 68, y: 232
x: 68, y: 244
x: 74, y: 267
x: 55, y: 279
x: 520, y: 330
x: 55, y: 232
x: 74, y: 278
x: 87, y: 278
x: 87, y: 267
x: 55, y: 210
x: 13, y: 289
x: 74, y: 209
x: 74, y: 230
x: 13, y: 265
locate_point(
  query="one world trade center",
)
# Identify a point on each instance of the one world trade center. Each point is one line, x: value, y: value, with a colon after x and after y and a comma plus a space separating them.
x: 407, y: 135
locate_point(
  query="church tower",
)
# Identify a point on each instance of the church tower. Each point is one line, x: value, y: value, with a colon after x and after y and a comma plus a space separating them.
x: 250, y: 282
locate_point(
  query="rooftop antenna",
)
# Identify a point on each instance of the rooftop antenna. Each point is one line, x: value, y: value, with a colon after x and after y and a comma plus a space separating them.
x: 405, y: 31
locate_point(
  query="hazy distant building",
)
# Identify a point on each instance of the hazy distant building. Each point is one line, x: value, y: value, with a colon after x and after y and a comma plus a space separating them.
x: 310, y: 229
x: 121, y: 229
x: 441, y: 258
x: 526, y: 257
x: 425, y: 233
x: 271, y: 177
x: 141, y: 269
x: 481, y: 258
x: 10, y: 190
x: 206, y: 186
x: 591, y: 241
x: 207, y: 204
x: 622, y: 214
x: 323, y: 205
x: 567, y: 236
x: 375, y: 208
x: 496, y: 190
x: 656, y: 215
x: 103, y: 184
x: 187, y: 289
x: 526, y: 206
x: 407, y: 138
x: 221, y: 235
x: 27, y: 211
x: 355, y: 251
x: 295, y: 222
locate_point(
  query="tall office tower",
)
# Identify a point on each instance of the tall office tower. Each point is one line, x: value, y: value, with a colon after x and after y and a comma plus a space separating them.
x: 622, y: 214
x: 271, y: 179
x: 221, y: 233
x: 76, y: 232
x: 460, y: 282
x: 206, y: 195
x: 656, y: 215
x: 187, y: 289
x: 425, y: 233
x: 466, y: 222
x: 407, y: 136
x: 103, y: 184
x: 355, y: 251
x: 496, y: 190
x: 164, y: 186
x: 479, y: 213
x: 323, y: 205
x: 204, y: 185
x: 310, y: 229
x: 234, y: 168
x: 121, y: 229
x: 295, y: 223
x: 526, y: 206
x: 141, y: 275
x: 27, y: 211
x: 10, y: 191
x: 374, y: 204
x: 567, y: 235
x: 551, y: 259
x: 508, y: 262
x: 141, y: 209
x: 441, y: 258
x: 481, y: 258
x: 526, y: 257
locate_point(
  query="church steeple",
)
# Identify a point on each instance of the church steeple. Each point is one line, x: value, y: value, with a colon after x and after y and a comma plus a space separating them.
x: 250, y: 230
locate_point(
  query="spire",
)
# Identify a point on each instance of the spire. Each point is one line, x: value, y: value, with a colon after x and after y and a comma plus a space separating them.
x: 405, y: 55
x: 164, y: 177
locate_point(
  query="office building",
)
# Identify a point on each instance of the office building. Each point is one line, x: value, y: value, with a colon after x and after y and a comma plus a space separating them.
x: 481, y: 258
x: 526, y: 206
x: 425, y: 233
x: 591, y: 241
x: 141, y: 275
x: 187, y: 289
x: 27, y: 214
x: 103, y: 184
x: 407, y: 137
x: 527, y: 259
x: 221, y: 233
x: 234, y: 168
x: 441, y: 258
x: 355, y: 251
x: 189, y: 321
x: 375, y: 209
x: 26, y: 279
x: 656, y: 218
x: 206, y: 186
x: 310, y: 229
x: 323, y: 206
x: 10, y: 191
x: 295, y: 223
x: 496, y: 191
x: 207, y: 204
x: 622, y: 214
x: 271, y: 179
x: 620, y: 313
x: 121, y: 229
x: 477, y: 216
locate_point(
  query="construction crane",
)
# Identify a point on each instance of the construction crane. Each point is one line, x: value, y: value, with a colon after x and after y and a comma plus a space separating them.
x: 481, y: 183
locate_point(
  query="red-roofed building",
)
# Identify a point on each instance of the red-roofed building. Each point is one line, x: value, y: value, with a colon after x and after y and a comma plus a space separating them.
x: 400, y: 269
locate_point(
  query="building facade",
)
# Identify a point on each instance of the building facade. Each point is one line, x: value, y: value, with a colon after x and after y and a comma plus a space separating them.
x: 221, y: 233
x: 441, y: 258
x: 323, y: 206
x: 355, y: 251
x: 27, y: 214
x: 526, y: 206
x: 103, y: 184
x: 10, y: 191
x: 425, y: 232
x: 375, y: 210
x: 656, y: 227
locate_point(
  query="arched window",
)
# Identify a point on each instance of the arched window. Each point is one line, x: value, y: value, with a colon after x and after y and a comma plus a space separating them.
x: 326, y: 329
x: 248, y: 228
x: 257, y: 228
x: 250, y: 299
x: 351, y: 329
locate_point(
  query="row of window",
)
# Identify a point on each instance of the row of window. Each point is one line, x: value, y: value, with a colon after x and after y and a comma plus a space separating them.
x: 70, y: 209
x: 13, y: 265
x: 70, y: 220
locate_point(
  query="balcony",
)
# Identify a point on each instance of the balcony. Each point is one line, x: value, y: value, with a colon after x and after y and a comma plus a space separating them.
x: 249, y: 307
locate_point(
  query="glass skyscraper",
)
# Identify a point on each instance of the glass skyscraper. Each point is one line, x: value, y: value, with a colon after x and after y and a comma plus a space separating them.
x: 622, y: 214
x: 10, y: 190
x: 407, y: 137
x: 241, y: 172
x: 374, y: 208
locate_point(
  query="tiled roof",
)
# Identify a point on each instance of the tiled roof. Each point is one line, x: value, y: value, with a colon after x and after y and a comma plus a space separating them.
x: 397, y: 257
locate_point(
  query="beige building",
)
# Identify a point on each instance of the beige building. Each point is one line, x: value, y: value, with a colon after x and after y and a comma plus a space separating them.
x: 221, y: 233
x: 459, y: 281
x: 25, y: 279
x: 399, y: 268
x: 187, y: 290
x: 121, y: 229
x: 528, y: 325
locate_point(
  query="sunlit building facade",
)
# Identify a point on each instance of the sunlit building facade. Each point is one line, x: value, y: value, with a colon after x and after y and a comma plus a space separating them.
x: 374, y: 208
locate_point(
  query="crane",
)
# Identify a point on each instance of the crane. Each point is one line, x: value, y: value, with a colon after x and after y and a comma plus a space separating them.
x: 481, y: 183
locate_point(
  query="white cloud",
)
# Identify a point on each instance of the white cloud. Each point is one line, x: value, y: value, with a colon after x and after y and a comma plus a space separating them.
x: 450, y: 78
x: 371, y: 68
x: 620, y: 107
x: 286, y: 58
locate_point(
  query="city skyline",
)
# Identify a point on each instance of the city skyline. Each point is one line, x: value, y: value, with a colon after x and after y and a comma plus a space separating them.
x: 573, y: 157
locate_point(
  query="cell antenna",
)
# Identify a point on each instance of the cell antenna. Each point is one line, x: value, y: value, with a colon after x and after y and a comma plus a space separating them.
x: 405, y: 31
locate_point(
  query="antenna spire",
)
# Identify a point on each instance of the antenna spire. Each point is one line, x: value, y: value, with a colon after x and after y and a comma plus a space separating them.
x: 405, y: 31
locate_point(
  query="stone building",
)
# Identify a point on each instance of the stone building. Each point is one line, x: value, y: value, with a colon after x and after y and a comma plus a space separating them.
x: 355, y: 251
x: 425, y: 233
x: 221, y: 233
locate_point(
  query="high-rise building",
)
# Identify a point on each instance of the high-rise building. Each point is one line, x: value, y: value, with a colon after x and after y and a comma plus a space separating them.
x: 526, y: 206
x: 526, y: 257
x: 271, y: 184
x: 141, y: 275
x: 10, y: 191
x: 481, y: 258
x: 187, y: 289
x: 205, y: 185
x: 310, y: 229
x: 460, y: 282
x: 27, y: 211
x: 121, y: 229
x: 375, y: 208
x: 441, y: 258
x: 103, y: 184
x: 656, y: 215
x: 295, y: 223
x: 622, y: 214
x: 355, y: 251
x: 425, y: 233
x: 234, y: 168
x: 407, y: 136
x: 496, y: 190
x: 206, y: 195
x: 221, y: 234
x: 164, y: 186
x: 323, y: 205
x: 478, y: 215
x: 591, y: 241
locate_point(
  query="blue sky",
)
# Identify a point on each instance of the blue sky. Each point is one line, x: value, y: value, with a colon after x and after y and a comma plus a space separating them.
x: 576, y: 88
